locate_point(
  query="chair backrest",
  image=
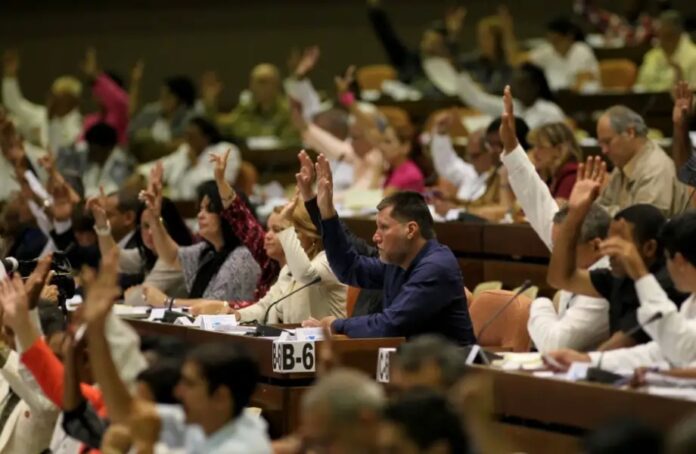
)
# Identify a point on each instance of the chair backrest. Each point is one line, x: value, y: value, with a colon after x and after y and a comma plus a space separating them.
x: 458, y: 129
x: 351, y: 298
x: 618, y: 73
x: 469, y: 297
x: 509, y: 330
x: 530, y: 293
x: 484, y: 286
x: 370, y: 77
x: 396, y: 116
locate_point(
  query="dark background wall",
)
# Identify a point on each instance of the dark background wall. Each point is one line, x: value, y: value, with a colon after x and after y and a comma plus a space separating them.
x: 187, y: 37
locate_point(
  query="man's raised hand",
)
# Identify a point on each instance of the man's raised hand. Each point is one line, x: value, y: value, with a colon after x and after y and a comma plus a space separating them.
x: 507, y: 125
x: 324, y: 188
x: 305, y: 177
x: 102, y: 293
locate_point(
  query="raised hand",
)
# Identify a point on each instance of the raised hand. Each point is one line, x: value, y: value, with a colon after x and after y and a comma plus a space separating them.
x: 306, y: 62
x: 454, y: 18
x: 683, y: 103
x: 10, y: 63
x: 137, y: 71
x: 97, y: 206
x: 37, y: 280
x: 89, y: 65
x: 211, y: 87
x: 444, y: 120
x: 227, y: 193
x: 506, y: 20
x: 594, y: 169
x: 153, y: 195
x: 324, y: 188
x: 296, y: 116
x: 343, y: 83
x: 64, y: 201
x: 14, y: 302
x: 305, y: 177
x: 102, y: 293
x: 507, y: 126
x: 621, y: 245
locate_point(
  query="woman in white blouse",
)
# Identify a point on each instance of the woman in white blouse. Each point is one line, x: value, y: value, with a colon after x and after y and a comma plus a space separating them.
x: 292, y: 240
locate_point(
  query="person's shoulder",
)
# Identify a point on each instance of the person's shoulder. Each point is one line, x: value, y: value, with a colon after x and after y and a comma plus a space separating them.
x: 243, y: 254
x: 439, y: 257
x: 580, y: 48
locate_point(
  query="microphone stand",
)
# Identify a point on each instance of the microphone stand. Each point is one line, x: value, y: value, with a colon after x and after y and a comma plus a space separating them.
x: 264, y: 330
x: 486, y: 356
x: 599, y: 375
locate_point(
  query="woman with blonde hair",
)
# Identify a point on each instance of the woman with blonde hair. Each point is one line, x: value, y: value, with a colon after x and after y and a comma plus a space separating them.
x: 555, y: 154
x: 293, y: 242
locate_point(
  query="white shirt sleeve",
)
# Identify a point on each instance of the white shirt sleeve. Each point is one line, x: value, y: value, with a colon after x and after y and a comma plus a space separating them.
x: 299, y: 264
x: 583, y: 60
x: 532, y: 193
x: 645, y: 355
x: 584, y: 325
x: 323, y: 141
x: 303, y: 92
x: 541, y: 55
x: 32, y: 115
x: 675, y: 333
x: 472, y: 95
x: 448, y: 164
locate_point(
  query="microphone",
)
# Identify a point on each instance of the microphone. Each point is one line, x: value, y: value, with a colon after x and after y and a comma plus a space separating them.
x: 597, y: 374
x: 525, y: 286
x: 262, y: 329
x: 170, y: 315
x: 486, y: 357
x: 11, y: 264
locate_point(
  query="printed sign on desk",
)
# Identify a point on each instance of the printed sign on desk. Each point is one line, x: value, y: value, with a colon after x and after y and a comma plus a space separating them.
x: 294, y: 356
x: 384, y: 364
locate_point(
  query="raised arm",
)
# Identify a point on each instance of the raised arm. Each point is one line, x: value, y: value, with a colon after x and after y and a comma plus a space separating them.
x: 97, y: 206
x: 396, y: 50
x: 532, y: 193
x: 563, y: 272
x: 244, y: 225
x: 447, y: 163
x: 167, y: 249
x: 472, y: 95
x: 111, y: 97
x: 98, y: 302
x: 299, y: 87
x: 134, y: 87
x: 350, y: 267
x: 683, y: 109
x: 25, y: 111
x: 512, y: 54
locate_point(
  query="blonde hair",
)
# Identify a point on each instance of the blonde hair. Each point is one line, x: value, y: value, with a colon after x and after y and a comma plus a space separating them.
x: 558, y: 135
x: 68, y: 85
x: 303, y: 224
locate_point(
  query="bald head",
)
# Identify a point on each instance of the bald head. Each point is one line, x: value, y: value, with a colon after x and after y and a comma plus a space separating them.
x: 621, y: 133
x: 343, y: 410
x: 265, y: 84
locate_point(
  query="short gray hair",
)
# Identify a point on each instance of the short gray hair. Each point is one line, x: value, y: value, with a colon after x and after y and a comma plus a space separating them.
x: 622, y: 119
x: 449, y: 357
x: 345, y: 393
x: 595, y: 225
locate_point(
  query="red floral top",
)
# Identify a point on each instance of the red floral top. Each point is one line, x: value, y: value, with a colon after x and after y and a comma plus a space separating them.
x: 251, y: 234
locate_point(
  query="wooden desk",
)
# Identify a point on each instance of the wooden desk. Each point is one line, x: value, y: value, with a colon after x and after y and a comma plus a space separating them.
x: 549, y: 416
x: 656, y: 108
x: 279, y: 395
